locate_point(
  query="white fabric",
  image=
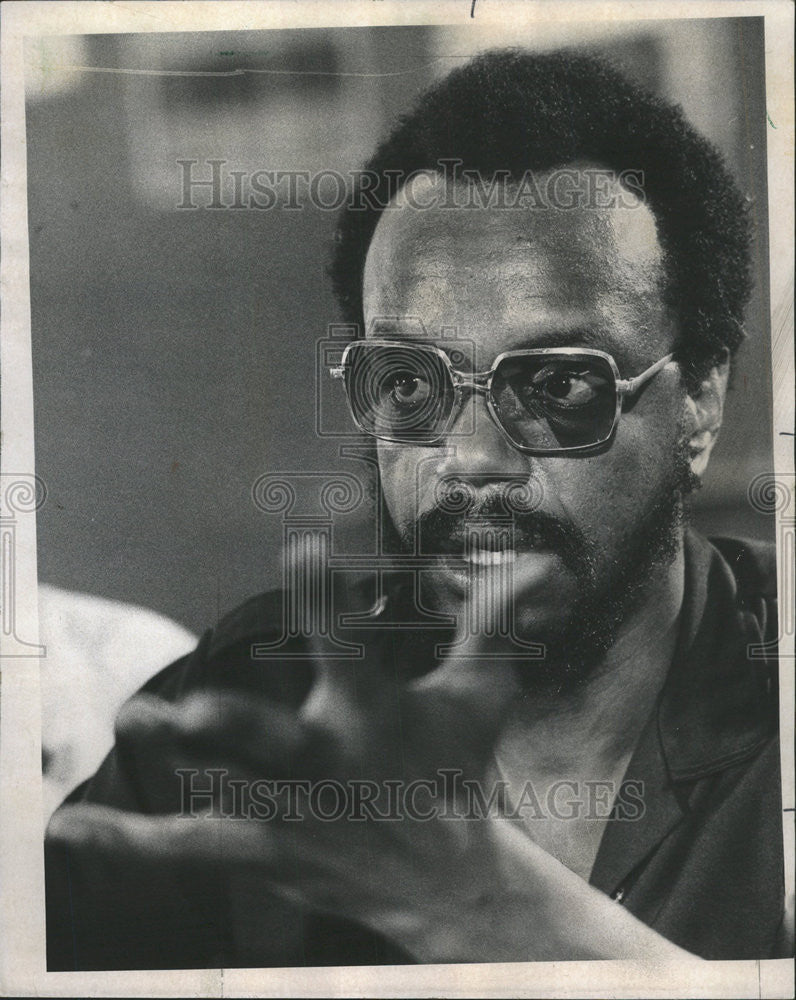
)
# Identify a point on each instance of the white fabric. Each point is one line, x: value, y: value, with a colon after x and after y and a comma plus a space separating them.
x: 99, y: 652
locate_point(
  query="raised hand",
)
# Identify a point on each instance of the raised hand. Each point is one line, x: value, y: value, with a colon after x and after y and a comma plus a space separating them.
x: 343, y: 807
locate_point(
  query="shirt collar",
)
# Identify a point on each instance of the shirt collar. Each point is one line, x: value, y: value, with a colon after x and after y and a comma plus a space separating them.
x: 716, y: 705
x: 715, y: 710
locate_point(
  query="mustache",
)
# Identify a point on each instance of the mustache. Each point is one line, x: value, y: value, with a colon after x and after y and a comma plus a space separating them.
x: 444, y: 527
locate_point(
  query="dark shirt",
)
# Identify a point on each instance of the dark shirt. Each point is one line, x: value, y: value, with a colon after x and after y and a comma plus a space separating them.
x: 702, y: 865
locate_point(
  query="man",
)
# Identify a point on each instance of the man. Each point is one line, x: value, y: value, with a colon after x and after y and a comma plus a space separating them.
x: 550, y: 280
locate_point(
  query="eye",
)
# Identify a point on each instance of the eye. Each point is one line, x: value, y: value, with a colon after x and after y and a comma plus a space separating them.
x: 566, y: 387
x: 406, y: 389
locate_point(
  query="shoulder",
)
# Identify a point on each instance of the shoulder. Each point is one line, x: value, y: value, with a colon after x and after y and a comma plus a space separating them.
x: 753, y: 566
x: 262, y: 645
x: 258, y: 619
x: 752, y: 562
x: 235, y: 654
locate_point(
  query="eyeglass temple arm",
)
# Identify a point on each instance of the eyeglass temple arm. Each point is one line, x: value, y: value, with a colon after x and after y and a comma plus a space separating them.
x: 627, y: 386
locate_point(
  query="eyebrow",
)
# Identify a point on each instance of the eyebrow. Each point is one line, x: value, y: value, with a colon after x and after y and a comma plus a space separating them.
x: 594, y: 337
x: 581, y: 336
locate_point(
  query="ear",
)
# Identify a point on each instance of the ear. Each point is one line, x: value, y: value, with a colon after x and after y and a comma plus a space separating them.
x: 704, y: 412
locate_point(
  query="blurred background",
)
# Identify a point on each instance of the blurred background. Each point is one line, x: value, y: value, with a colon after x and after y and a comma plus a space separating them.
x: 174, y: 349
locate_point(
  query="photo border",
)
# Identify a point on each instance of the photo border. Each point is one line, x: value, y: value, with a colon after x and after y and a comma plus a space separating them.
x: 22, y: 961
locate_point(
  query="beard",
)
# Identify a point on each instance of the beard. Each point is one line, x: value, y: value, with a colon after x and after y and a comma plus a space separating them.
x: 576, y: 645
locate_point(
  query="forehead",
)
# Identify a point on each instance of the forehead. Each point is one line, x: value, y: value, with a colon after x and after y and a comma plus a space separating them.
x: 519, y: 276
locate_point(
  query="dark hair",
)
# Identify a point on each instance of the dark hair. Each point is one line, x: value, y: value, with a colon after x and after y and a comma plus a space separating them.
x: 512, y: 110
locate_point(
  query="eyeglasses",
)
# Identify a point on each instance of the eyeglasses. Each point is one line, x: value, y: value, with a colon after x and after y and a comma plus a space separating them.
x: 545, y: 401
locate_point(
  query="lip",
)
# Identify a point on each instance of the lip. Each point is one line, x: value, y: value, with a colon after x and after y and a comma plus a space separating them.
x: 520, y: 569
x: 484, y: 540
x: 476, y: 556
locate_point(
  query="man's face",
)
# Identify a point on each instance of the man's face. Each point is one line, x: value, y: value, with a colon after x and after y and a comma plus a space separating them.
x: 508, y: 279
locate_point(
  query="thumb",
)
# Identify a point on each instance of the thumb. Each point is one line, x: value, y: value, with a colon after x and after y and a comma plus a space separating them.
x: 478, y: 681
x: 350, y: 692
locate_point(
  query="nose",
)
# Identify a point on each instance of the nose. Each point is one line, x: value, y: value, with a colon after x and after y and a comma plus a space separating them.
x: 476, y: 449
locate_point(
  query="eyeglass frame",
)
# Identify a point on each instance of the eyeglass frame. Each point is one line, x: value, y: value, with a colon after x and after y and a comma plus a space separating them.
x: 481, y: 382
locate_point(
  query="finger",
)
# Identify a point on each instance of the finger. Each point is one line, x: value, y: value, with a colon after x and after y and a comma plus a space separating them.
x: 102, y: 833
x: 219, y: 725
x: 98, y: 830
x: 480, y: 667
x: 487, y: 679
x: 480, y: 693
x: 457, y: 726
x: 351, y: 692
x: 280, y: 856
x: 472, y: 691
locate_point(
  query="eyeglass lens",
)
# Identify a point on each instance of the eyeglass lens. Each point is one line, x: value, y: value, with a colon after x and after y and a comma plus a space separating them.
x: 404, y: 394
x: 549, y: 403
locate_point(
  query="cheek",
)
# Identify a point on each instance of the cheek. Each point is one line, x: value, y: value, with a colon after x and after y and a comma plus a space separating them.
x: 397, y: 472
x: 409, y: 480
x: 606, y: 494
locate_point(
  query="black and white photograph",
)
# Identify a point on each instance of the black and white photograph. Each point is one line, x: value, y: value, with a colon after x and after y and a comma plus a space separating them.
x: 398, y: 499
